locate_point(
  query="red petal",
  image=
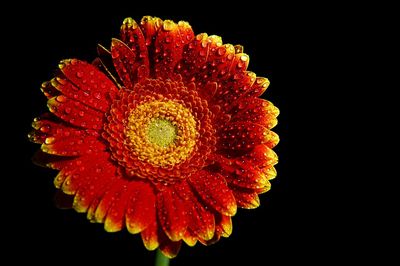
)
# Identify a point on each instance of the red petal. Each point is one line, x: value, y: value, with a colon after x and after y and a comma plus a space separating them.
x: 170, y: 249
x: 213, y: 190
x: 94, y: 185
x: 205, y: 59
x: 89, y: 79
x: 255, y: 110
x: 60, y: 139
x: 247, y: 176
x: 246, y: 199
x: 125, y: 63
x: 140, y: 208
x: 223, y: 227
x: 232, y: 89
x: 171, y: 214
x: 261, y: 156
x: 190, y: 238
x: 75, y: 113
x: 98, y: 100
x: 110, y: 198
x: 133, y: 36
x: 48, y: 90
x: 168, y: 49
x: 258, y: 87
x: 150, y: 234
x: 150, y: 26
x: 240, y: 137
x: 115, y: 220
x: 200, y: 221
x: 185, y: 32
x: 43, y: 159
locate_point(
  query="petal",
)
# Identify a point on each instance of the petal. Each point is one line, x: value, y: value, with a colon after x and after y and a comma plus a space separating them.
x: 205, y: 59
x: 75, y: 113
x: 105, y: 64
x: 258, y: 87
x: 140, y: 208
x: 200, y: 221
x: 88, y: 78
x: 246, y: 199
x: 185, y: 32
x: 48, y: 90
x: 240, y: 137
x: 247, y: 176
x: 190, y: 238
x: 94, y: 185
x: 172, y: 214
x: 125, y: 63
x: 58, y: 138
x: 223, y: 227
x: 168, y: 49
x: 261, y: 156
x: 212, y: 188
x: 150, y: 234
x: 97, y: 100
x: 110, y: 199
x: 170, y: 249
x: 150, y: 26
x: 255, y: 110
x: 236, y: 86
x: 133, y: 37
x: 115, y: 220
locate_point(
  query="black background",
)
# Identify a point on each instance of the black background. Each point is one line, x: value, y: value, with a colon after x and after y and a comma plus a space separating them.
x: 296, y: 220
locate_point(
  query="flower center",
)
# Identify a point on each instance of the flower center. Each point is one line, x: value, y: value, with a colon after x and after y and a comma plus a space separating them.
x: 161, y: 132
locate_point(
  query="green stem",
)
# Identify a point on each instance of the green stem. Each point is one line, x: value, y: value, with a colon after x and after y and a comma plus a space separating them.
x: 161, y: 260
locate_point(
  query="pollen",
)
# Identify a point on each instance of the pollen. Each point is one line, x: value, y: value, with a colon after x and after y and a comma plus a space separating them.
x: 161, y: 132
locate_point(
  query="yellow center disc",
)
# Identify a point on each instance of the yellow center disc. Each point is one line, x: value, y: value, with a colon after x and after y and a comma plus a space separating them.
x: 162, y: 133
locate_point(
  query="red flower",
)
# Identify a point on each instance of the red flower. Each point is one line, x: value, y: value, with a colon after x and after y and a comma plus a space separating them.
x: 164, y: 135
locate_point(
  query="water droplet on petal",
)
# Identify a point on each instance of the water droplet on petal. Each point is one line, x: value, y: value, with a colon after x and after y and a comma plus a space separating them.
x: 45, y: 129
x: 61, y: 99
x: 49, y: 140
x: 79, y: 74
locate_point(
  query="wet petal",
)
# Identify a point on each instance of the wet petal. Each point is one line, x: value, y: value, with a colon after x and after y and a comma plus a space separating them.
x: 88, y: 78
x: 246, y: 199
x: 140, y: 208
x: 75, y: 113
x: 240, y: 137
x: 255, y: 110
x: 212, y: 188
x: 168, y: 49
x: 172, y: 214
x: 132, y: 36
x: 125, y: 63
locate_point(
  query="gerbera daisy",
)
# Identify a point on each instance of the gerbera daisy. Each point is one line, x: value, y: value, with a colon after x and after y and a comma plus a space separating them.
x: 163, y: 134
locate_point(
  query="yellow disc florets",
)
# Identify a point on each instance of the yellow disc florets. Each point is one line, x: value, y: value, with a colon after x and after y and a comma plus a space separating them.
x: 162, y: 133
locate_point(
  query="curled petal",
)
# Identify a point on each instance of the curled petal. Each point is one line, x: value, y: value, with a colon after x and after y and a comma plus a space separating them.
x: 125, y: 63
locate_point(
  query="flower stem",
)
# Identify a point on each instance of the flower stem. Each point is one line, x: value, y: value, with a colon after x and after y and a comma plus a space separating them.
x: 161, y: 260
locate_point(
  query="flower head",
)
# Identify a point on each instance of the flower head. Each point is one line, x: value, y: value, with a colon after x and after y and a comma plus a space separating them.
x: 164, y: 134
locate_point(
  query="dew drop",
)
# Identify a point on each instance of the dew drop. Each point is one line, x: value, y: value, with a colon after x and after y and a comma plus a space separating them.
x: 49, y: 140
x: 45, y: 129
x: 79, y: 74
x: 61, y: 98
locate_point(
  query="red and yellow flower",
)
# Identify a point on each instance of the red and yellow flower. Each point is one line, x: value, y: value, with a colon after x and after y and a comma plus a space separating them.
x: 164, y: 134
